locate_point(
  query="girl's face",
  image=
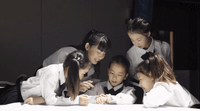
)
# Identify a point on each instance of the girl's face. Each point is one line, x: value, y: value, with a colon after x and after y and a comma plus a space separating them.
x: 94, y: 54
x: 116, y: 74
x: 146, y: 82
x: 140, y: 40
x: 82, y: 72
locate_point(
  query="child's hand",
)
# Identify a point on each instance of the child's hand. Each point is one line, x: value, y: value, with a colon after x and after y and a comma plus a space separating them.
x: 85, y: 85
x: 101, y: 99
x: 84, y: 100
x: 34, y: 100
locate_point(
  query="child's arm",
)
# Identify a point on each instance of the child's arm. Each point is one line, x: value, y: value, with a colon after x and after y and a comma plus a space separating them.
x: 85, y: 85
x: 127, y: 97
x: 96, y: 90
x: 48, y: 91
x: 122, y: 98
x: 157, y: 96
x: 84, y: 100
x: 34, y: 100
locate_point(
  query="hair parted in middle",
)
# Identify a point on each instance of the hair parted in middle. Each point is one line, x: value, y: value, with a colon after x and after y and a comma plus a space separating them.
x: 138, y: 25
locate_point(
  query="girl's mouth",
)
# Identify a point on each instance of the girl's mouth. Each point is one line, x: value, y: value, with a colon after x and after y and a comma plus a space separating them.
x: 114, y: 81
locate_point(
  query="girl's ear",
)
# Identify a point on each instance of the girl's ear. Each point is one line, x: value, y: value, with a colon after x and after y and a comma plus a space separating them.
x: 87, y: 46
x: 125, y: 76
x: 151, y: 76
x: 149, y: 33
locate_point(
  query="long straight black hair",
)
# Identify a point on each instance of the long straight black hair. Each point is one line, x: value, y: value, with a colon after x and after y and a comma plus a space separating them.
x: 75, y: 61
x: 95, y: 37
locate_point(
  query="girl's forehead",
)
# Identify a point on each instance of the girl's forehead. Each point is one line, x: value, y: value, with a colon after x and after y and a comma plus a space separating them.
x: 117, y: 66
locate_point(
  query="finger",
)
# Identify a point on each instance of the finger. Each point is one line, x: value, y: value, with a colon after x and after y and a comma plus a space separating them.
x: 88, y: 82
x: 82, y: 89
x: 27, y: 100
x: 83, y: 95
x: 87, y: 85
x: 97, y: 101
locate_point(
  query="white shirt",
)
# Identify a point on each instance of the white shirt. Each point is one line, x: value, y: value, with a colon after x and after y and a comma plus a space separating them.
x: 46, y: 84
x: 169, y: 95
x: 134, y: 54
x: 126, y: 96
x: 59, y: 57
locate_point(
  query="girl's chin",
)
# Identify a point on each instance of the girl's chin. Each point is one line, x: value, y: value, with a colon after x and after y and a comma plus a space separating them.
x: 94, y: 62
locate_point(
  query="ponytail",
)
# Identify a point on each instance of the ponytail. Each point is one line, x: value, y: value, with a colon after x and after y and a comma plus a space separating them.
x: 73, y: 79
x: 74, y: 61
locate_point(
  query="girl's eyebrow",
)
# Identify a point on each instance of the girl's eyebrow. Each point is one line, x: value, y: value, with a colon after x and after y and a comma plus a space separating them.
x: 121, y: 72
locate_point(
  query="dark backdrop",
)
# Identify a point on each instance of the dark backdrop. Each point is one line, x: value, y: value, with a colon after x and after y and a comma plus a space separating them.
x: 31, y: 30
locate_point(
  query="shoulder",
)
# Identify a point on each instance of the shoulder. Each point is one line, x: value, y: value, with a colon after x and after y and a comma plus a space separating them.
x: 52, y: 68
x: 131, y: 49
x: 67, y: 49
x: 128, y: 88
x: 161, y: 86
x: 162, y: 44
x: 131, y: 52
x: 103, y: 84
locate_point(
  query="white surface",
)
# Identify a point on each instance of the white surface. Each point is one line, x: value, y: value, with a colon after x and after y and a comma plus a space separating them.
x: 91, y: 107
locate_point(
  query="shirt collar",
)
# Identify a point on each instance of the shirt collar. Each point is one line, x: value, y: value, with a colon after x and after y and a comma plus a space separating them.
x: 152, y: 46
x: 150, y: 49
x: 109, y: 86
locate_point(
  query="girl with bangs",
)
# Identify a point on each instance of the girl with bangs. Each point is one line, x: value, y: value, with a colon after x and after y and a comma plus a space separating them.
x: 96, y: 44
x: 158, y: 80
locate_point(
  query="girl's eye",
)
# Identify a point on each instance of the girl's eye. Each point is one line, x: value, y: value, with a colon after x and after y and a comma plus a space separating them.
x: 119, y: 75
x: 111, y: 73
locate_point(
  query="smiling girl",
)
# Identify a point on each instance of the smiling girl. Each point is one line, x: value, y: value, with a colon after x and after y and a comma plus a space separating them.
x: 96, y: 44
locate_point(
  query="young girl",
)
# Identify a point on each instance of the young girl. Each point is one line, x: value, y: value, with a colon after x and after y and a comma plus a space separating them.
x: 46, y: 86
x: 139, y: 32
x: 157, y: 78
x: 96, y: 44
x: 113, y: 90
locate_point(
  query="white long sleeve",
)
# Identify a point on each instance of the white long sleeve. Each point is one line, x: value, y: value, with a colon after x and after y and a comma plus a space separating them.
x: 169, y: 95
x: 46, y: 84
x: 125, y: 97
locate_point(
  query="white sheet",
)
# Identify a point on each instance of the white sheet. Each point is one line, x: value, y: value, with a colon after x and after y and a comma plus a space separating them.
x: 91, y: 107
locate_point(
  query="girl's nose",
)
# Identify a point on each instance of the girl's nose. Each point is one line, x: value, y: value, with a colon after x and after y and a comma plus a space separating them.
x: 115, y: 77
